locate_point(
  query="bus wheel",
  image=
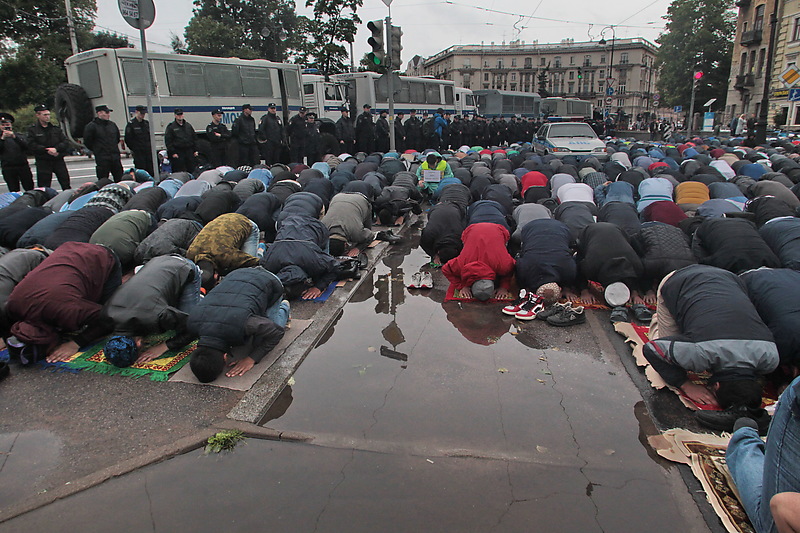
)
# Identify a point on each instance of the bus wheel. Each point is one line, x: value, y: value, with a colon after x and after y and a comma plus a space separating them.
x: 73, y: 108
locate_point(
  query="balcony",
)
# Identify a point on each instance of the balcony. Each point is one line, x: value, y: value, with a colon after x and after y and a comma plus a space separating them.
x: 743, y: 81
x: 751, y: 37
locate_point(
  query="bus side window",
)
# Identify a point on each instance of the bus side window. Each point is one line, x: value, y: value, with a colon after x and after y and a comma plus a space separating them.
x: 89, y: 77
x: 292, y: 83
x: 448, y: 94
x: 256, y: 82
x: 222, y: 80
x: 308, y: 88
x: 186, y: 79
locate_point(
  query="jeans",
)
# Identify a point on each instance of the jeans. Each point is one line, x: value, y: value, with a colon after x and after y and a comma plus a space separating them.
x: 250, y: 246
x: 171, y: 186
x: 190, y: 296
x: 762, y: 470
x: 279, y: 313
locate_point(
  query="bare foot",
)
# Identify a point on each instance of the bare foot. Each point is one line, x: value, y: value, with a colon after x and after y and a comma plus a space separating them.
x: 63, y: 352
x: 699, y: 394
x: 571, y: 295
x: 636, y: 298
x: 153, y: 352
x: 650, y: 298
x: 587, y: 297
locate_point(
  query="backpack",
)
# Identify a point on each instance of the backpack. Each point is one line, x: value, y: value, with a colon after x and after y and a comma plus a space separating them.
x: 429, y: 127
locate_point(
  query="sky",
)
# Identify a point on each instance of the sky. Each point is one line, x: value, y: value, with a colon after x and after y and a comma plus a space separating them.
x: 431, y: 26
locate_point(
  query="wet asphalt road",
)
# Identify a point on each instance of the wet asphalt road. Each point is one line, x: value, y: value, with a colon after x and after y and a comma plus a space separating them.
x: 416, y: 415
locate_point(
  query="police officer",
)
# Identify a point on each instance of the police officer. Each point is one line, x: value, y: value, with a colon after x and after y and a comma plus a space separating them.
x: 137, y: 138
x: 244, y: 131
x: 413, y: 131
x: 101, y: 136
x: 271, y: 135
x: 365, y: 131
x: 13, y: 157
x: 399, y: 133
x: 218, y: 136
x: 298, y: 131
x: 346, y: 132
x: 382, y: 133
x: 49, y: 146
x: 181, y: 142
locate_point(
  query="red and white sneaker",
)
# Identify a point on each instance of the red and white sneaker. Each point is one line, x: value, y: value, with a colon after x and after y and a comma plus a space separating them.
x: 531, y: 308
x: 513, y: 309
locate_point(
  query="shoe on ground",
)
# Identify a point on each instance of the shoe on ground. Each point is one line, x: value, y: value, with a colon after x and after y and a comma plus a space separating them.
x: 513, y: 309
x: 726, y: 420
x: 619, y: 314
x: 552, y: 310
x: 426, y: 280
x: 388, y: 236
x: 642, y: 313
x: 531, y: 308
x: 617, y: 294
x: 416, y: 280
x: 568, y: 316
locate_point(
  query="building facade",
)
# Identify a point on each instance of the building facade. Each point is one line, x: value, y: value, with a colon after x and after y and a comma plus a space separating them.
x: 569, y: 69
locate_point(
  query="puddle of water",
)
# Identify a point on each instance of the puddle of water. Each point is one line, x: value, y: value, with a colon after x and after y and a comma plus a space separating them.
x: 25, y: 459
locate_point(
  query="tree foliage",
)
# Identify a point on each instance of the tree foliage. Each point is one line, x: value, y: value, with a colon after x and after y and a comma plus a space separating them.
x: 263, y: 29
x: 35, y: 38
x: 698, y: 36
x: 366, y: 65
x: 334, y: 22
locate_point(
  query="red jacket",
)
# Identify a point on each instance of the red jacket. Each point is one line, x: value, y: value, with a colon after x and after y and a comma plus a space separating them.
x: 62, y: 293
x: 533, y: 179
x: 484, y: 257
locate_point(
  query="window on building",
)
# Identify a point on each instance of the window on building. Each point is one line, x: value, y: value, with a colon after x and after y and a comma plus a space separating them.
x: 486, y: 63
x: 572, y: 74
x: 571, y: 87
x: 513, y: 86
x: 485, y: 85
x: 499, y: 63
x: 557, y: 61
x: 600, y: 86
x: 528, y: 62
x: 467, y: 62
x: 587, y: 60
x: 761, y: 58
x: 623, y: 58
x: 571, y: 60
x: 513, y: 61
x: 796, y: 30
x: 603, y: 59
x: 620, y: 102
x: 599, y: 103
x: 513, y: 76
x: 467, y: 80
x: 486, y: 76
x: 621, y: 88
x: 758, y: 22
x: 542, y: 61
x: 743, y: 64
x: 752, y: 62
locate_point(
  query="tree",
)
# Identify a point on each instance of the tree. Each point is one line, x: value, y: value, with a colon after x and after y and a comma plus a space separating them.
x: 698, y: 36
x: 334, y: 21
x: 542, y: 83
x: 263, y: 29
x: 366, y: 65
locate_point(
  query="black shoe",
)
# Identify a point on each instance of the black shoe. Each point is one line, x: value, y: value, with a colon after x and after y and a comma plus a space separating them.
x: 550, y: 311
x: 416, y: 208
x: 388, y: 236
x: 568, y: 316
x: 726, y: 420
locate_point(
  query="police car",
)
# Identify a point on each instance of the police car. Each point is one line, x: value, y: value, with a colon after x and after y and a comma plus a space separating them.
x: 569, y: 138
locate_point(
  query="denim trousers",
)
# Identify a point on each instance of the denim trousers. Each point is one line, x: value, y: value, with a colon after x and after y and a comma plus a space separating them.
x: 190, y: 296
x: 762, y: 470
x: 250, y: 246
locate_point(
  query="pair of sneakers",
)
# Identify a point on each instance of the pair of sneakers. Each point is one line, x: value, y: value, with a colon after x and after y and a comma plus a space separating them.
x: 527, y: 307
x: 421, y: 280
x: 563, y: 314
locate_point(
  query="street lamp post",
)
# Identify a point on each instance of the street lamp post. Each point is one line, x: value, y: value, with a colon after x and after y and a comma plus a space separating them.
x: 610, y: 77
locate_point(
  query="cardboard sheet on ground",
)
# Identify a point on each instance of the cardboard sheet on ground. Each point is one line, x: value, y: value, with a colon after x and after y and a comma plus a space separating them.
x: 246, y: 381
x: 705, y: 454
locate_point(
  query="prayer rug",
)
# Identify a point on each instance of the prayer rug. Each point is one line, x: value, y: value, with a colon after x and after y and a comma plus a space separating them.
x: 705, y: 455
x: 636, y: 337
x: 159, y: 369
x: 246, y: 381
x: 454, y: 294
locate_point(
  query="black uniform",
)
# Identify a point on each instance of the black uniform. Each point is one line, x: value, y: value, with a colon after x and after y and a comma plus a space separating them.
x: 137, y: 138
x: 313, y: 143
x: 382, y: 135
x: 244, y: 131
x: 297, y: 138
x: 40, y: 138
x: 413, y: 127
x: 14, y: 162
x: 270, y: 131
x: 346, y: 134
x: 365, y: 133
x: 181, y: 145
x: 399, y: 135
x: 219, y: 143
x: 102, y: 138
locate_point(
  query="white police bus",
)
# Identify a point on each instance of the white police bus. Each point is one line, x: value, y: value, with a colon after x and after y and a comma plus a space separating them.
x: 197, y: 84
x: 423, y: 94
x: 494, y: 103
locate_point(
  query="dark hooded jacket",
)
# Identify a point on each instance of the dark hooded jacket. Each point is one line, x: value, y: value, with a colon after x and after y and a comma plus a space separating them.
x: 173, y: 237
x: 263, y: 209
x: 545, y: 255
x: 79, y: 227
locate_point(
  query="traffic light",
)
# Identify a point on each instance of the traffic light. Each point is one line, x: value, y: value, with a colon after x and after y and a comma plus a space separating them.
x: 395, y: 47
x: 378, y: 55
x: 698, y: 75
x: 580, y: 73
